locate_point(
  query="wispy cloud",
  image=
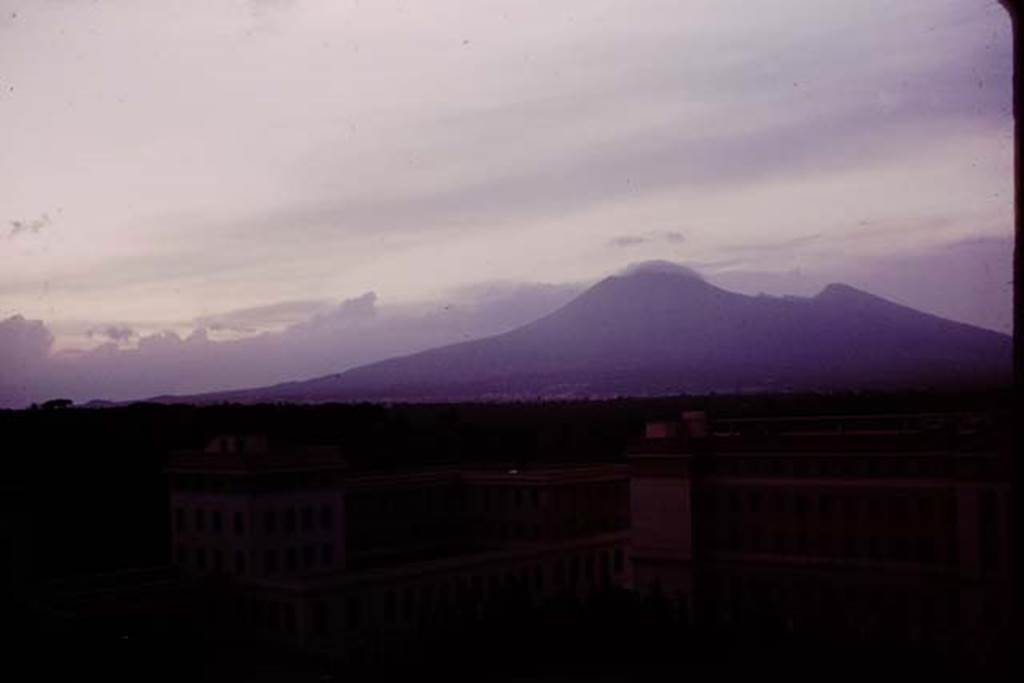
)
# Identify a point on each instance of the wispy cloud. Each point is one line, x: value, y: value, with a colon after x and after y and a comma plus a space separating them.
x: 33, y: 226
x: 666, y: 236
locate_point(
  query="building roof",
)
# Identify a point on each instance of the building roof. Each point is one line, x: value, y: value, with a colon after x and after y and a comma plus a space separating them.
x: 249, y: 454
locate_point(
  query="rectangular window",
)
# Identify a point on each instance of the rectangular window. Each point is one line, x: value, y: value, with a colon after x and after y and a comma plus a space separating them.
x: 307, y: 518
x: 239, y: 524
x: 320, y: 618
x: 215, y: 521
x: 289, y: 618
x: 408, y: 604
x: 988, y: 530
x: 270, y: 561
x: 179, y: 519
x: 270, y: 521
x: 326, y: 517
x: 200, y: 518
x: 327, y: 554
x: 390, y: 606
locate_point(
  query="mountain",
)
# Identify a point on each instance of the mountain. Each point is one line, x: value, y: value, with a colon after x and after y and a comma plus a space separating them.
x: 661, y: 330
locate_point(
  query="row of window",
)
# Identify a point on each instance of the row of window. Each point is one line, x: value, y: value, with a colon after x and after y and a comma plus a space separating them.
x: 212, y: 483
x: 275, y: 561
x: 893, y: 547
x: 919, y: 611
x: 898, y: 509
x: 407, y: 604
x: 288, y: 520
x: 564, y: 497
x: 846, y: 466
x: 449, y: 501
x: 307, y: 517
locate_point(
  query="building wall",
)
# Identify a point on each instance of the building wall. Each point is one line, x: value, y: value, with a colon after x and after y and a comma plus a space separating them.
x: 906, y: 541
x: 258, y: 534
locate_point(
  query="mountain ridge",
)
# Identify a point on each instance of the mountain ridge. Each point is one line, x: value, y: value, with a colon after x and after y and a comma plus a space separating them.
x: 654, y: 330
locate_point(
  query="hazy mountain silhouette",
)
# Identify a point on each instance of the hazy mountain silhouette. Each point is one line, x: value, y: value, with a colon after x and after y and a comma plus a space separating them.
x: 659, y: 328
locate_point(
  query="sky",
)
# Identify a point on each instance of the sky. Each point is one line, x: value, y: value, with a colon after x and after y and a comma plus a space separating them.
x: 198, y: 195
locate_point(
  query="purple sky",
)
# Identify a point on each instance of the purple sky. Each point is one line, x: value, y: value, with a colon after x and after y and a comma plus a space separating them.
x: 201, y: 195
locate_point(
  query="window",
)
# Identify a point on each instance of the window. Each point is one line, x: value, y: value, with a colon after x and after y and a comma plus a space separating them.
x: 988, y: 530
x: 239, y: 563
x: 408, y: 603
x: 270, y: 561
x: 289, y: 618
x: 825, y: 506
x: 239, y: 526
x: 270, y: 521
x: 179, y: 519
x: 308, y: 556
x: 289, y: 520
x: 215, y: 521
x: 200, y: 518
x: 291, y: 559
x: 307, y: 518
x: 320, y: 618
x: 355, y: 612
x: 326, y: 517
x: 619, y: 560
x: 327, y: 554
x: 390, y: 605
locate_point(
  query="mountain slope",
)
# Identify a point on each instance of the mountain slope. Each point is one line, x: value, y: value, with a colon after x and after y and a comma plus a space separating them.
x: 657, y: 331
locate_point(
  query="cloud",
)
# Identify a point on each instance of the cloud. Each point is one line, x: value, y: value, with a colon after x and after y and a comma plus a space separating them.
x: 328, y: 339
x: 259, y: 318
x: 627, y: 241
x: 969, y: 280
x: 665, y: 236
x: 23, y: 343
x: 115, y: 333
x: 661, y: 266
x: 31, y: 227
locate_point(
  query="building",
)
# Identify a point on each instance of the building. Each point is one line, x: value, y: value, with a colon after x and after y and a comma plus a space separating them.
x: 891, y: 526
x: 322, y: 556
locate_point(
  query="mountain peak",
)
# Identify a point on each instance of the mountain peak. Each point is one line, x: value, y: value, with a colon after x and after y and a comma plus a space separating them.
x: 661, y: 267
